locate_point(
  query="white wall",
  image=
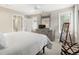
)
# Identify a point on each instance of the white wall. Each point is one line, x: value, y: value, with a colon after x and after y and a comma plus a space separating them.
x: 55, y: 24
x: 55, y: 20
x: 6, y: 19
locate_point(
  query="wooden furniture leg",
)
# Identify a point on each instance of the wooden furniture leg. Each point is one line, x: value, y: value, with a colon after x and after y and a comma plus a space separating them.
x: 44, y: 49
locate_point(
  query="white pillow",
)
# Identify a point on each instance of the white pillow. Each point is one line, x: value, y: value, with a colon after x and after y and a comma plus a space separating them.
x: 2, y: 41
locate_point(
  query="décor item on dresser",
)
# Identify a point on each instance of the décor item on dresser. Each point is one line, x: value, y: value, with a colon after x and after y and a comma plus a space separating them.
x: 41, y: 26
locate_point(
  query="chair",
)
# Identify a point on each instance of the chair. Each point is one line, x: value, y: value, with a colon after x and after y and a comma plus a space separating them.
x: 68, y: 47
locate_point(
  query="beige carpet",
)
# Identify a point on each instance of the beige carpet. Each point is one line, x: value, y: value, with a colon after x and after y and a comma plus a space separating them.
x: 56, y: 49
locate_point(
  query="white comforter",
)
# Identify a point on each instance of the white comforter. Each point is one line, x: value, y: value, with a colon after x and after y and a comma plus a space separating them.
x: 23, y: 43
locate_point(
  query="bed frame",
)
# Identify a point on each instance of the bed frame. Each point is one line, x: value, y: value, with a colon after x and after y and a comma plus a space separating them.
x: 43, y: 51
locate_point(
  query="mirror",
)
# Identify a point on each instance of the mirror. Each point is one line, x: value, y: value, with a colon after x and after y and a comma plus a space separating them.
x: 45, y: 20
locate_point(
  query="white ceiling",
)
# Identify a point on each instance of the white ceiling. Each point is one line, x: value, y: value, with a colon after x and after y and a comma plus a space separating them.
x: 35, y: 8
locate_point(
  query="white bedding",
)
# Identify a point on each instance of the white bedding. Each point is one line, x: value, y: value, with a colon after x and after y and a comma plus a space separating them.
x: 23, y: 43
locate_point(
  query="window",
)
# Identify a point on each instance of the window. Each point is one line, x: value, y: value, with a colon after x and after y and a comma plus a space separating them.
x: 66, y: 17
x: 17, y: 23
x: 34, y: 23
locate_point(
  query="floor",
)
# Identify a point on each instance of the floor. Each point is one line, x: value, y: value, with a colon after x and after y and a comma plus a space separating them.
x: 56, y: 49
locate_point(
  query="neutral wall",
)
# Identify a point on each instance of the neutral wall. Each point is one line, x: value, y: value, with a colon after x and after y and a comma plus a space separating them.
x: 6, y: 19
x: 55, y: 24
x: 55, y: 21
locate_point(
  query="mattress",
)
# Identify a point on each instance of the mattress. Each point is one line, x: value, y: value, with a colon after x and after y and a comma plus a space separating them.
x: 23, y: 43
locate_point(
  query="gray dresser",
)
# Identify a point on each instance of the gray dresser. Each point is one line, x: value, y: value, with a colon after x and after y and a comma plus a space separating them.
x: 47, y: 32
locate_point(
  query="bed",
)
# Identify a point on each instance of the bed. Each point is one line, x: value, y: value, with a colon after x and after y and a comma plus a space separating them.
x: 23, y: 43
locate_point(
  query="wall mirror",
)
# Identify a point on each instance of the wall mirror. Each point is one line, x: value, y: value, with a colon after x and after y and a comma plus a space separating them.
x: 46, y: 20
